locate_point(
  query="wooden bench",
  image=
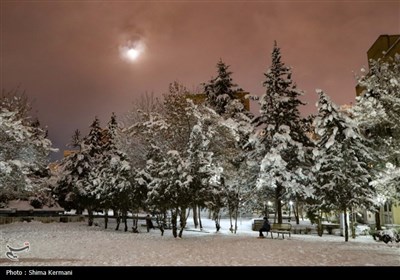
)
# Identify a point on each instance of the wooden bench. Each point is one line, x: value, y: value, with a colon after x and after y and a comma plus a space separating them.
x: 283, y: 229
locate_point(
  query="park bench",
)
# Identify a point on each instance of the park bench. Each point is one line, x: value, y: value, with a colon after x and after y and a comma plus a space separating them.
x: 329, y: 227
x: 283, y: 229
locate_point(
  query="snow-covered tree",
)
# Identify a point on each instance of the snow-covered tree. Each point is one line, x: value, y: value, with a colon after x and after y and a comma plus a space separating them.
x: 220, y: 90
x: 341, y: 162
x: 24, y: 150
x: 377, y: 112
x: 282, y: 143
x: 205, y: 191
x: 131, y: 140
x: 235, y: 123
x: 114, y: 171
x: 17, y: 102
x: 80, y: 174
x: 170, y: 188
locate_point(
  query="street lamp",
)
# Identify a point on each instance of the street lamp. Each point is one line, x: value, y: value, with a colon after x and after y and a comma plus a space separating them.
x: 290, y: 208
x: 269, y: 204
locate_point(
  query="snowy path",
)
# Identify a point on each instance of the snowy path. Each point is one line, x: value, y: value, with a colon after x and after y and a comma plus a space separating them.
x: 76, y: 244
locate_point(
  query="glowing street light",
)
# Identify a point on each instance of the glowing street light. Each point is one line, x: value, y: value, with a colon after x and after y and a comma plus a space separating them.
x: 290, y: 208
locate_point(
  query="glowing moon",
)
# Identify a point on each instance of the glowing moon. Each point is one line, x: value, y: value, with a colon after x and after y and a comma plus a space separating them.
x: 132, y: 54
x: 131, y: 51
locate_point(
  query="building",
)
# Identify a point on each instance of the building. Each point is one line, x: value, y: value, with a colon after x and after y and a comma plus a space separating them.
x: 67, y: 153
x: 241, y: 95
x: 384, y: 48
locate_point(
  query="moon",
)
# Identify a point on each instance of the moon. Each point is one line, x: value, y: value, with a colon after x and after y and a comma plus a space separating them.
x: 132, y: 54
x: 131, y: 51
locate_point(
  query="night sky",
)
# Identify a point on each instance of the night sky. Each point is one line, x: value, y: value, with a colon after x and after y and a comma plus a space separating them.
x: 66, y: 55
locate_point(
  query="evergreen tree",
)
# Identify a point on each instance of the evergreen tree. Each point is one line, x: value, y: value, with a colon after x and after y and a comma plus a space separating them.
x: 235, y: 122
x: 115, y: 171
x: 341, y: 162
x: 282, y: 143
x: 80, y: 174
x: 219, y: 90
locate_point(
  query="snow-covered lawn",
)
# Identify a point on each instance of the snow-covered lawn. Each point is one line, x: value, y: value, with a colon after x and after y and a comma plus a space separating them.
x: 76, y: 244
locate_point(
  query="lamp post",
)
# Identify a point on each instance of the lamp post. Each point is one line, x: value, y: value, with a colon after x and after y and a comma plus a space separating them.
x: 269, y: 204
x: 290, y: 208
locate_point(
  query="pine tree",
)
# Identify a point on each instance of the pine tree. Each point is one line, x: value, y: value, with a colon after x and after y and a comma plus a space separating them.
x: 80, y: 176
x: 341, y: 162
x: 282, y: 142
x: 115, y: 171
x: 220, y: 90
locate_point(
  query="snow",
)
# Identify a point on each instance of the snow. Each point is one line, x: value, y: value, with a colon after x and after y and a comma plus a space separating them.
x: 76, y: 244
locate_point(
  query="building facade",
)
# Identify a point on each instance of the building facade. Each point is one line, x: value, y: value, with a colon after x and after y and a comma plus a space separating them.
x: 240, y: 95
x: 384, y: 48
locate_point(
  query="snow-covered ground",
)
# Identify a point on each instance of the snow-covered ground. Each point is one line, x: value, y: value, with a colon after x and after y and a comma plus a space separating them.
x: 76, y: 244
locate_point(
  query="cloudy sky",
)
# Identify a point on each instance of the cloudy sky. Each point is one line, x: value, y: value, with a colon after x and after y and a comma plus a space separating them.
x: 66, y: 55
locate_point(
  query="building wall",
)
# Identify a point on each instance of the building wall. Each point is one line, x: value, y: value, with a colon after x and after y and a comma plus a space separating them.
x: 384, y: 48
x: 396, y: 214
x: 241, y: 95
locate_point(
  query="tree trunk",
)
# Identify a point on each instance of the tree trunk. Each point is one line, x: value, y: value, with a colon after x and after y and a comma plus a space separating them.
x: 118, y: 222
x: 278, y: 202
x: 346, y: 226
x: 125, y: 219
x: 182, y: 220
x: 353, y: 224
x: 216, y: 219
x: 105, y: 218
x: 378, y: 225
x: 230, y: 220
x: 201, y: 225
x: 135, y: 223
x: 174, y: 218
x: 296, y: 212
x: 162, y: 221
x: 236, y: 216
x: 320, y: 229
x: 90, y: 220
x: 195, y: 216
